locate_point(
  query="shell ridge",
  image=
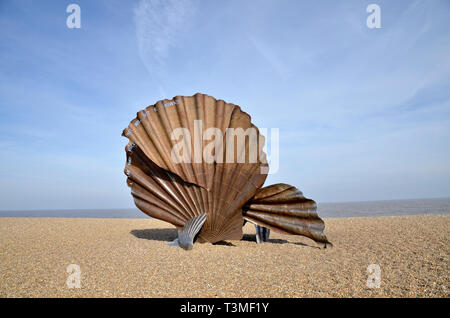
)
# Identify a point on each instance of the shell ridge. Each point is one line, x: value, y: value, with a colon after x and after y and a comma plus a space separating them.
x: 158, y: 213
x: 160, y: 175
x: 168, y: 124
x: 201, y: 108
x: 200, y: 105
x: 138, y: 192
x: 215, y: 187
x: 272, y: 190
x: 151, y: 132
x: 190, y: 121
x: 286, y: 195
x: 182, y: 121
x: 165, y: 140
x: 185, y: 122
x: 154, y: 188
x: 164, y: 178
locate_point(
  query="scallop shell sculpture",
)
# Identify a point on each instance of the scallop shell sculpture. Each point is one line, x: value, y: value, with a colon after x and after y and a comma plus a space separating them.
x: 187, y: 166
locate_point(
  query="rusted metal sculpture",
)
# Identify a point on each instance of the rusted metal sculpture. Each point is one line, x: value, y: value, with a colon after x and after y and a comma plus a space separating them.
x: 187, y: 165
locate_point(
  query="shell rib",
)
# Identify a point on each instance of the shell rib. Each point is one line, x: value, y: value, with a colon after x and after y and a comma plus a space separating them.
x: 176, y: 192
x: 284, y: 209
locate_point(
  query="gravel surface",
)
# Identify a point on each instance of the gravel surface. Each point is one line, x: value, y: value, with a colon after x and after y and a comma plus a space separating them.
x: 130, y: 258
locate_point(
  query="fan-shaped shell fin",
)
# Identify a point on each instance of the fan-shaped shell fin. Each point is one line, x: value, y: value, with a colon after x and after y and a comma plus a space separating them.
x: 284, y: 209
x: 191, y: 228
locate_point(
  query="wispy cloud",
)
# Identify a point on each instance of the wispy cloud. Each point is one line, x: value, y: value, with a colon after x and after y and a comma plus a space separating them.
x: 270, y: 56
x: 159, y: 26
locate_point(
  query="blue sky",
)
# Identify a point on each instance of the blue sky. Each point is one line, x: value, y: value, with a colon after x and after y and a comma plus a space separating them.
x: 364, y: 114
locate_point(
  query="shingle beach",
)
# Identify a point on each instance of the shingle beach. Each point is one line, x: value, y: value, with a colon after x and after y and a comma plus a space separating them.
x: 130, y: 258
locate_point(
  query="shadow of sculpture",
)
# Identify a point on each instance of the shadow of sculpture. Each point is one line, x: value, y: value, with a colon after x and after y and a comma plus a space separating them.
x: 165, y: 235
x: 168, y: 235
x: 224, y: 243
x: 252, y: 238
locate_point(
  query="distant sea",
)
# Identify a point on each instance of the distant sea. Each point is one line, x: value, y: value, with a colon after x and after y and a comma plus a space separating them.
x: 325, y: 210
x: 384, y: 208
